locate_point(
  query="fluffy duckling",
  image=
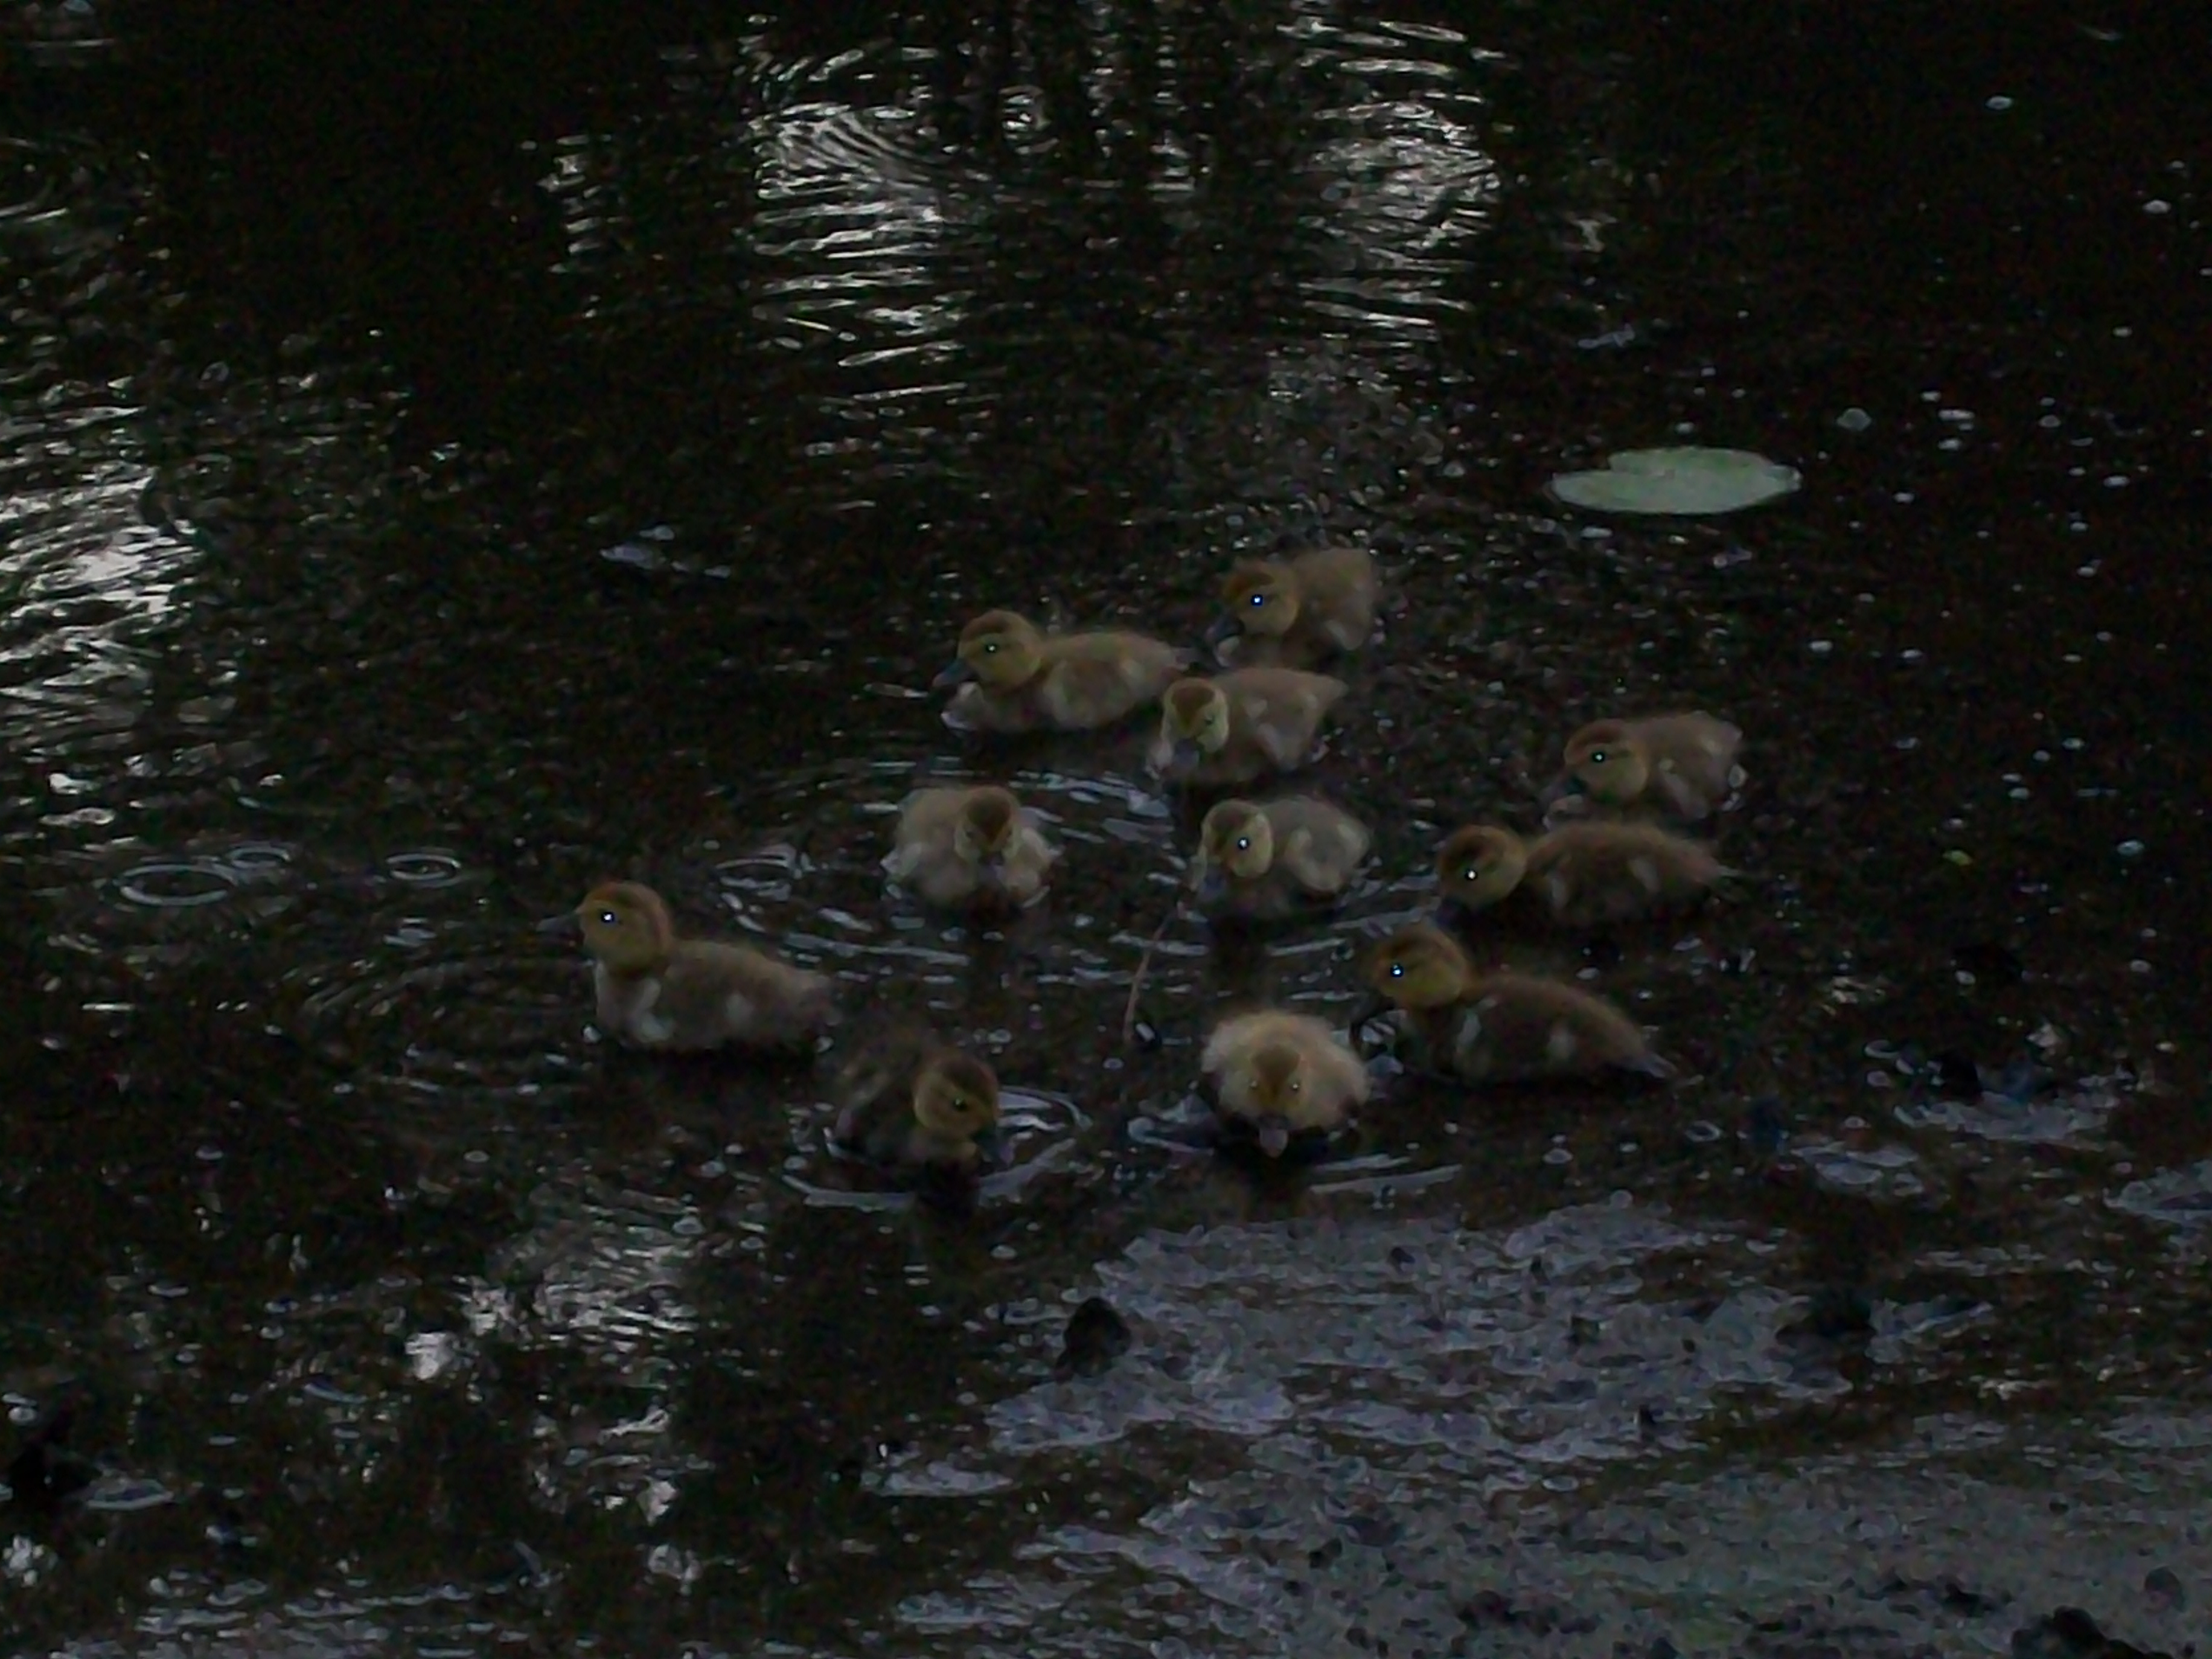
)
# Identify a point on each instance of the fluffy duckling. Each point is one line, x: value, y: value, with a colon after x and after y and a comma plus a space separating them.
x: 915, y: 1106
x: 1277, y: 1077
x: 971, y: 848
x: 659, y: 991
x: 1580, y: 875
x: 1298, y: 611
x: 1026, y: 680
x: 1264, y: 861
x: 1681, y: 765
x: 1501, y: 1027
x: 1237, y: 727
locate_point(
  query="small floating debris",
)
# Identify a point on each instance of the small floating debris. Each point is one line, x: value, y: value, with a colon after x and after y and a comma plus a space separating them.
x: 1096, y: 1337
x: 1684, y: 483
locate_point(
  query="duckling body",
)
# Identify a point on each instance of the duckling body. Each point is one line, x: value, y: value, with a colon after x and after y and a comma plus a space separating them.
x: 915, y: 1106
x: 1297, y: 612
x: 1015, y: 677
x: 1501, y: 1027
x: 1277, y: 1077
x: 1579, y: 875
x: 1241, y: 726
x: 1681, y: 766
x: 971, y: 848
x: 656, y: 990
x: 1262, y: 861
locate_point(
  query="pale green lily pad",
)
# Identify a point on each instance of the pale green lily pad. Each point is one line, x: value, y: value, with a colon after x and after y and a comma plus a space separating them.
x: 1687, y: 481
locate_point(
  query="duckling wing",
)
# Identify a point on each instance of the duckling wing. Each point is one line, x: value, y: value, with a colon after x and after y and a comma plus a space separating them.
x: 1341, y: 583
x: 703, y: 1001
x: 1591, y: 874
x: 1514, y: 1030
x: 1530, y: 1028
x: 1319, y: 845
x: 1094, y: 679
x: 1338, y: 1077
x: 718, y: 994
x: 1694, y: 761
x: 1282, y: 710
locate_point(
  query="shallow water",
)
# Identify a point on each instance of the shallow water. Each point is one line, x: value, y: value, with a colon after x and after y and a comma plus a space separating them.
x: 448, y: 461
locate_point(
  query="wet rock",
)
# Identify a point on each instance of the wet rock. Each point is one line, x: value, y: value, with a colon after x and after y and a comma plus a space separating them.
x: 1096, y: 1337
x: 2163, y: 1586
x: 2019, y: 1082
x: 1492, y: 1609
x: 1954, y: 1598
x: 2070, y: 1633
x: 1836, y: 1311
x: 1989, y: 961
x: 44, y: 1473
x: 1763, y: 1128
x: 1957, y: 1075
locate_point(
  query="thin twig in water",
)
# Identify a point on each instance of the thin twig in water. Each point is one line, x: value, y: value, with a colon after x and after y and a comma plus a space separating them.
x: 1144, y: 964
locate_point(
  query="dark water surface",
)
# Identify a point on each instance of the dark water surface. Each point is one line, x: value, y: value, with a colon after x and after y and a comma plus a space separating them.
x: 451, y: 456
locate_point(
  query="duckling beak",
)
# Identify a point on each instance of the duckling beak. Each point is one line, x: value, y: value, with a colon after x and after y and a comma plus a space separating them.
x: 1453, y: 916
x: 1375, y: 1009
x: 1212, y: 887
x: 1224, y: 629
x: 1274, y: 1135
x: 564, y: 926
x: 954, y: 672
x: 1566, y: 784
x: 1183, y: 759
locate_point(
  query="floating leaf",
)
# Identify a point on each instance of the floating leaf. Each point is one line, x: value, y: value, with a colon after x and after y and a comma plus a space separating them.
x: 1681, y: 483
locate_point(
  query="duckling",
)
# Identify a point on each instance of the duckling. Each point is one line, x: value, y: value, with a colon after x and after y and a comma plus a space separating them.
x: 1501, y: 1027
x: 1679, y: 765
x: 1580, y: 875
x: 1239, y: 727
x: 656, y: 990
x: 1297, y: 612
x: 1278, y: 1076
x: 1026, y: 680
x: 916, y: 1106
x: 1263, y: 861
x: 975, y: 848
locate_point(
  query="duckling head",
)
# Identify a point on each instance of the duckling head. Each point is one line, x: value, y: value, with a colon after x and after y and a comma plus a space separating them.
x: 1275, y: 1078
x: 627, y: 928
x: 1606, y: 762
x: 956, y: 1096
x: 1194, y: 724
x: 1419, y: 968
x: 983, y: 834
x: 1260, y: 598
x: 999, y: 648
x: 1477, y: 866
x: 1237, y: 838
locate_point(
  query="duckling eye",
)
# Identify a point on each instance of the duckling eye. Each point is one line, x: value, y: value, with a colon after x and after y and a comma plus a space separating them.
x: 608, y: 918
x: 1597, y: 758
x: 1472, y: 872
x: 1243, y: 843
x: 990, y: 647
x: 1397, y: 970
x: 1257, y: 600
